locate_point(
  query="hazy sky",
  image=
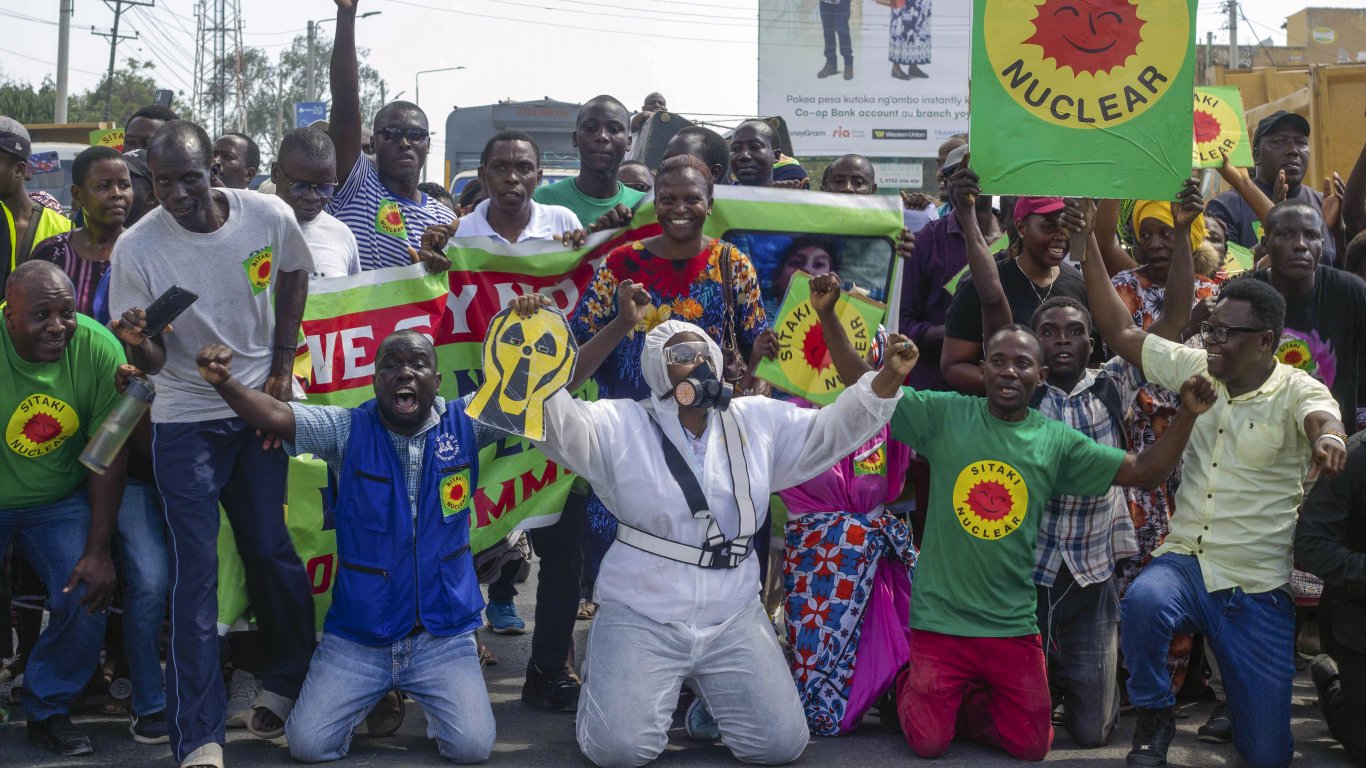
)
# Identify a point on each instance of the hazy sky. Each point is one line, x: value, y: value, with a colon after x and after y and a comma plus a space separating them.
x: 699, y: 53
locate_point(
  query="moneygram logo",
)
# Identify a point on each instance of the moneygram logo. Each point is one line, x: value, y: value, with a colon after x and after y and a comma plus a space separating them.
x: 1087, y: 63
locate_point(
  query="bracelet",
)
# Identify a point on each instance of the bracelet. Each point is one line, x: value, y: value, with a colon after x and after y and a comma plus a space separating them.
x: 1335, y: 436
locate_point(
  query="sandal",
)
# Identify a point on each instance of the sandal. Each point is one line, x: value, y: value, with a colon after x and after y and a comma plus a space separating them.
x: 486, y: 657
x: 208, y: 756
x: 386, y: 716
x: 587, y: 610
x: 268, y: 713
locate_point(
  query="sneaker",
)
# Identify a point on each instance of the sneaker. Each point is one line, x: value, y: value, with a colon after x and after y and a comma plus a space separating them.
x: 700, y: 724
x: 243, y: 688
x: 60, y: 735
x: 150, y: 729
x: 555, y: 690
x: 1218, y: 729
x: 503, y: 619
x: 1152, y: 737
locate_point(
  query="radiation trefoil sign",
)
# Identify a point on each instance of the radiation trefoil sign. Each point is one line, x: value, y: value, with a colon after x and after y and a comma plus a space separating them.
x: 1220, y: 128
x: 1084, y: 98
x: 526, y: 360
x: 803, y: 366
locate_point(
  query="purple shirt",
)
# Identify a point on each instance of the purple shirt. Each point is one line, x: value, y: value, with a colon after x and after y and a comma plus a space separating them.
x: 941, y: 252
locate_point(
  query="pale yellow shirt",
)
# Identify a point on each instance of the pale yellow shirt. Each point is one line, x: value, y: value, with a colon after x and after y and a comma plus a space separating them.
x: 1244, y: 470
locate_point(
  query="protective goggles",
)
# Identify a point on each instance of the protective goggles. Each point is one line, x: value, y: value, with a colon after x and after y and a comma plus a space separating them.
x: 686, y: 353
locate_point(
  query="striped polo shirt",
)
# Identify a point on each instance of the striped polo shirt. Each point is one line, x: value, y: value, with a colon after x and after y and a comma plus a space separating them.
x: 384, y: 223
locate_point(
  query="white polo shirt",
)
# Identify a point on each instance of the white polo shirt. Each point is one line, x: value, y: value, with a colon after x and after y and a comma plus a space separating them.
x: 546, y: 221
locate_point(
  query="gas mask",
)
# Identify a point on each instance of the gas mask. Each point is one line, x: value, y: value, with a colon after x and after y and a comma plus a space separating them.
x: 526, y: 360
x: 703, y: 390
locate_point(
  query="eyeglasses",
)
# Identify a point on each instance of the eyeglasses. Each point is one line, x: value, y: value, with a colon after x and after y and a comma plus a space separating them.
x: 414, y: 135
x: 299, y: 188
x: 1218, y: 334
x: 686, y: 353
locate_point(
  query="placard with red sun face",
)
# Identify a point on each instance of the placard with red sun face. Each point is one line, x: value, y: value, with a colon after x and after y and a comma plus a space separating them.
x: 804, y: 367
x: 1082, y: 97
x: 1220, y: 128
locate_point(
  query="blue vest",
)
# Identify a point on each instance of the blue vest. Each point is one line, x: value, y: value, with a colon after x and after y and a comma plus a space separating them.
x: 394, y: 571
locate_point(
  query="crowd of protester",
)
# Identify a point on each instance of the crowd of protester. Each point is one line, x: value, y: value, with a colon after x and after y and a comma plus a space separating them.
x: 1104, y: 465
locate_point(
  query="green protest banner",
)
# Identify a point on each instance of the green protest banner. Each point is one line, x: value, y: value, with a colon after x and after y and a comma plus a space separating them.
x: 346, y: 319
x: 1084, y: 98
x: 1220, y: 128
x: 804, y: 367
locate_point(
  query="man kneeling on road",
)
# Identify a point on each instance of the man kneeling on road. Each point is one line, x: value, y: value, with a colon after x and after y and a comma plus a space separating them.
x: 406, y: 600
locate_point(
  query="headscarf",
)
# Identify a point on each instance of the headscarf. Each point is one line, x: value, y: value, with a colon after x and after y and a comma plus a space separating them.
x: 653, y: 365
x: 1162, y: 211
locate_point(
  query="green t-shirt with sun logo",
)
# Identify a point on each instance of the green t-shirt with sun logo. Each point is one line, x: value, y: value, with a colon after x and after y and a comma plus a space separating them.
x: 989, y: 482
x: 49, y: 410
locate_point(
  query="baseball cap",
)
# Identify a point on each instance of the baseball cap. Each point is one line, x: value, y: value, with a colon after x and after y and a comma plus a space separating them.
x: 14, y: 138
x: 137, y: 163
x: 1024, y: 206
x: 1279, y: 119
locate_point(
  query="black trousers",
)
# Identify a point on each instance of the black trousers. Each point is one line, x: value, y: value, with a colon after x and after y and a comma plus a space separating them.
x: 1344, y: 703
x: 557, y: 588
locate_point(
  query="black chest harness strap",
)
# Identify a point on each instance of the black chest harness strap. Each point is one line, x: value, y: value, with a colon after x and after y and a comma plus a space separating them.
x: 717, y: 551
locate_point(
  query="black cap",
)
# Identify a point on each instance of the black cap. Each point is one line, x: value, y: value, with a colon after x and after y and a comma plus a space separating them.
x: 1279, y: 119
x: 137, y: 163
x: 14, y: 138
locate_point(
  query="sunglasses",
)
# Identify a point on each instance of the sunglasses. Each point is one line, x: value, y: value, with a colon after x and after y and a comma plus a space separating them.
x: 299, y: 188
x: 638, y: 186
x: 413, y: 135
x: 1218, y: 334
x: 686, y: 353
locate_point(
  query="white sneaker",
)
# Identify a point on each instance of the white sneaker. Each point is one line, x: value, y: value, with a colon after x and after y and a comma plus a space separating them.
x: 242, y: 691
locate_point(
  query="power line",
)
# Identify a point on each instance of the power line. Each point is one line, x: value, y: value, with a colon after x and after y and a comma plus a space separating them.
x: 47, y: 61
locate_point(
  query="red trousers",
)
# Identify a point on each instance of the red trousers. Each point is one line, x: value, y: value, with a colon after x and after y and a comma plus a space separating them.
x: 992, y: 690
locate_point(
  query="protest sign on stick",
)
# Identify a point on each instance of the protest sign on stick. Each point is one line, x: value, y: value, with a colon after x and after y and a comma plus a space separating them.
x: 1220, y: 128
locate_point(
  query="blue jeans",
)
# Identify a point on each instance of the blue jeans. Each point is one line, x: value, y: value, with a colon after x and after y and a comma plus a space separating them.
x: 140, y: 550
x: 1252, y: 635
x: 52, y: 538
x: 199, y: 464
x: 835, y: 27
x: 346, y: 679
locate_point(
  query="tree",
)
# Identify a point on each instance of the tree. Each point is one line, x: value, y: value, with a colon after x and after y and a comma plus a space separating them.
x: 134, y: 88
x: 25, y: 104
x: 270, y: 89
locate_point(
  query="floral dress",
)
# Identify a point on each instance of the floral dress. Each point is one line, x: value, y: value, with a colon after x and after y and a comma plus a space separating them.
x: 690, y: 290
x: 910, y: 32
x: 1154, y: 407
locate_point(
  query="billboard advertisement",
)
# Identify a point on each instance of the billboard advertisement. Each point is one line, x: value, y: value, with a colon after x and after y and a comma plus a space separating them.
x: 877, y: 77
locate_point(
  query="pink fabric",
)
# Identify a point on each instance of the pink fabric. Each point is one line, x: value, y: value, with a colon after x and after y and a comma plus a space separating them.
x: 841, y: 489
x: 885, y: 644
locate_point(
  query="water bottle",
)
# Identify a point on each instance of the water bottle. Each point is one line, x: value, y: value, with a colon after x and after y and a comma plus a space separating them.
x: 113, y: 433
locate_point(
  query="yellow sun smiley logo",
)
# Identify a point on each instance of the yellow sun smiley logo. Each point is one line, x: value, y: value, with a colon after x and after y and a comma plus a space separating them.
x: 258, y: 268
x: 455, y: 493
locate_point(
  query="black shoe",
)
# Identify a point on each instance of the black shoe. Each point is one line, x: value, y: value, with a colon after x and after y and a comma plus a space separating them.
x: 1152, y: 737
x: 1218, y: 729
x: 150, y: 729
x: 555, y: 689
x: 827, y: 71
x: 60, y: 736
x: 1324, y: 671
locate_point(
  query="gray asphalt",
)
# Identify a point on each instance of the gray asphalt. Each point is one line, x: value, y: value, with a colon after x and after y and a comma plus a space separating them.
x: 530, y: 737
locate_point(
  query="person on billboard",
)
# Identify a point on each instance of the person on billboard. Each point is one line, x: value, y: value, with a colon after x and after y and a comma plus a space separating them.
x: 910, y: 37
x: 835, y: 27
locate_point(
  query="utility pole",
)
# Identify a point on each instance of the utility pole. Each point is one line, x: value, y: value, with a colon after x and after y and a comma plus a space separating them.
x: 63, y: 59
x: 311, y: 90
x: 114, y: 38
x: 1209, y: 58
x: 1232, y: 7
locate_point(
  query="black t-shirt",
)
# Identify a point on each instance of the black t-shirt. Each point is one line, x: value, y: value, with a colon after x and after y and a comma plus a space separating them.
x: 1324, y: 334
x: 965, y: 313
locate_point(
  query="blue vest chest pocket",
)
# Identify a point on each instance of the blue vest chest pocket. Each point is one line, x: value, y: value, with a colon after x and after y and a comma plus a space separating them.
x: 369, y: 506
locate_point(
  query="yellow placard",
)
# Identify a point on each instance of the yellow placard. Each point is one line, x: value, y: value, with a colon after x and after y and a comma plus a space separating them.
x: 112, y: 137
x: 526, y: 360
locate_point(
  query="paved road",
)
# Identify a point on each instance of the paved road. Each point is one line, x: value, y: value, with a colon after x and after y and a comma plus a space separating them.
x: 528, y: 737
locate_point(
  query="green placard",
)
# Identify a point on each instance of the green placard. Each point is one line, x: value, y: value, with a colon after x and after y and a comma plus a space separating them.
x: 1220, y: 128
x: 1084, y: 99
x: 804, y: 367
